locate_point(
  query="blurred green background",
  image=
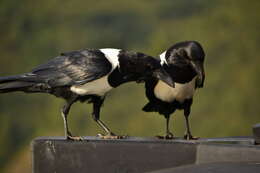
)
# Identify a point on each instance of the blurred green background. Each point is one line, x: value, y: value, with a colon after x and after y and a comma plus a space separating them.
x: 34, y: 31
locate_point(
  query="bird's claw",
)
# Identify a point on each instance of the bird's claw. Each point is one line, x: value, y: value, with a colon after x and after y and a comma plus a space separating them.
x: 69, y: 136
x: 74, y: 138
x: 190, y: 137
x: 169, y: 135
x: 111, y: 136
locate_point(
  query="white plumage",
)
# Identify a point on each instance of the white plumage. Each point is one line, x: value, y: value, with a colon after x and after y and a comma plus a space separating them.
x: 181, y: 91
x: 162, y: 57
x: 112, y: 56
x: 97, y: 87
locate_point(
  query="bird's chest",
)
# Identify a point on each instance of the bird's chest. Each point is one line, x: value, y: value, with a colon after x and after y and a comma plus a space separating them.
x: 97, y: 87
x: 181, y: 91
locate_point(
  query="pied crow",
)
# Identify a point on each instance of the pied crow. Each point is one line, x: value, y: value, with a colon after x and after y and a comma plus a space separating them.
x: 184, y: 62
x: 86, y: 75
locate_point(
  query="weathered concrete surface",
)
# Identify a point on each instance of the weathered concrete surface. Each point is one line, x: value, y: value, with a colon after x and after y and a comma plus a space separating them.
x: 117, y: 156
x: 135, y: 155
x: 226, y: 167
x: 208, y: 153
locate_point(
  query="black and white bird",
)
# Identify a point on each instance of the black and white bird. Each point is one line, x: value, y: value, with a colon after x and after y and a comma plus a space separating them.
x: 184, y: 62
x: 86, y: 75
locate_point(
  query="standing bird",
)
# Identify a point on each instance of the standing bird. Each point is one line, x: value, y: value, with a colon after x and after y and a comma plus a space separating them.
x: 184, y: 62
x: 86, y: 75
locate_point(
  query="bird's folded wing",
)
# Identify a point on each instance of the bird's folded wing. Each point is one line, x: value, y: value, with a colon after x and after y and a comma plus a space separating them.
x: 73, y: 68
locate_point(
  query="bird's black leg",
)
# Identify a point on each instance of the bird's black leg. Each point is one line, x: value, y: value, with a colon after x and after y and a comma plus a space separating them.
x: 97, y: 103
x: 188, y: 134
x: 64, y: 112
x: 168, y: 135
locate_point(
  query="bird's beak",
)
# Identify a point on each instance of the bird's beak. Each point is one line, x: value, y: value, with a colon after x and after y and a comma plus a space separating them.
x: 161, y: 74
x: 198, y: 67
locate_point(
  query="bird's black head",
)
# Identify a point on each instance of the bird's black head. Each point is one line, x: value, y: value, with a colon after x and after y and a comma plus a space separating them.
x: 139, y: 67
x: 187, y: 55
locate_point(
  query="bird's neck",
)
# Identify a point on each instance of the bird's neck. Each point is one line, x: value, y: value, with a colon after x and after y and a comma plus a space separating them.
x: 117, y: 78
x: 131, y: 67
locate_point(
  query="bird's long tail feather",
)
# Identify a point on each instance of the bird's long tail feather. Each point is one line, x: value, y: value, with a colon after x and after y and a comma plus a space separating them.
x: 14, y: 83
x: 149, y: 107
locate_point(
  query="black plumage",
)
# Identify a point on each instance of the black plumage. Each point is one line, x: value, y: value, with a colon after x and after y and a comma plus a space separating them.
x: 86, y: 75
x: 184, y: 62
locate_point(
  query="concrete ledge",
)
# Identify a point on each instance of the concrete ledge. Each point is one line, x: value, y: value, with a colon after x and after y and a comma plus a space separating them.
x: 93, y: 155
x: 256, y: 133
x: 210, y: 153
x: 225, y: 167
x: 55, y: 154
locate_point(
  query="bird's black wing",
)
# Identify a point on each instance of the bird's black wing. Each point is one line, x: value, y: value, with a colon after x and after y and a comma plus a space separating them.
x: 72, y: 68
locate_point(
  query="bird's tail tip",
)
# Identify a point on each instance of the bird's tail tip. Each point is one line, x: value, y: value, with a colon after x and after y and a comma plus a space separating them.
x: 13, y: 83
x: 149, y: 107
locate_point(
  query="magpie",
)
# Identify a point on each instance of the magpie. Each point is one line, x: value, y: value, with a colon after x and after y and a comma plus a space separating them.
x: 184, y: 62
x: 86, y: 75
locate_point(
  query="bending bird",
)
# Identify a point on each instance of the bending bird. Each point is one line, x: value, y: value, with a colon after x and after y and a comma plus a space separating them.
x: 184, y: 62
x: 86, y: 75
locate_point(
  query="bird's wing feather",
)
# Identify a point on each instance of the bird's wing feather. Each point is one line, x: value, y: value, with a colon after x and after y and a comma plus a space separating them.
x: 72, y: 68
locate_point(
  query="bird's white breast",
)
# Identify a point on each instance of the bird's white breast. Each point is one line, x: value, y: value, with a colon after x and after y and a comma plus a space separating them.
x: 181, y: 92
x: 97, y: 87
x: 112, y: 56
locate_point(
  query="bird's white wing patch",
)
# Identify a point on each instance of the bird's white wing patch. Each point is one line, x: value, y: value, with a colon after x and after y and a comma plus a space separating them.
x: 100, y: 86
x: 112, y: 56
x: 162, y: 57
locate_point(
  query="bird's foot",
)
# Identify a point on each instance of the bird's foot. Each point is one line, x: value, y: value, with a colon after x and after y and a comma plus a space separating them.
x: 169, y: 135
x: 74, y: 138
x: 190, y: 137
x: 111, y: 136
x: 69, y: 136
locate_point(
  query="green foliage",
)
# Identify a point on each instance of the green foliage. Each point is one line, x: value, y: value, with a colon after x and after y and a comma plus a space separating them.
x: 33, y: 32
